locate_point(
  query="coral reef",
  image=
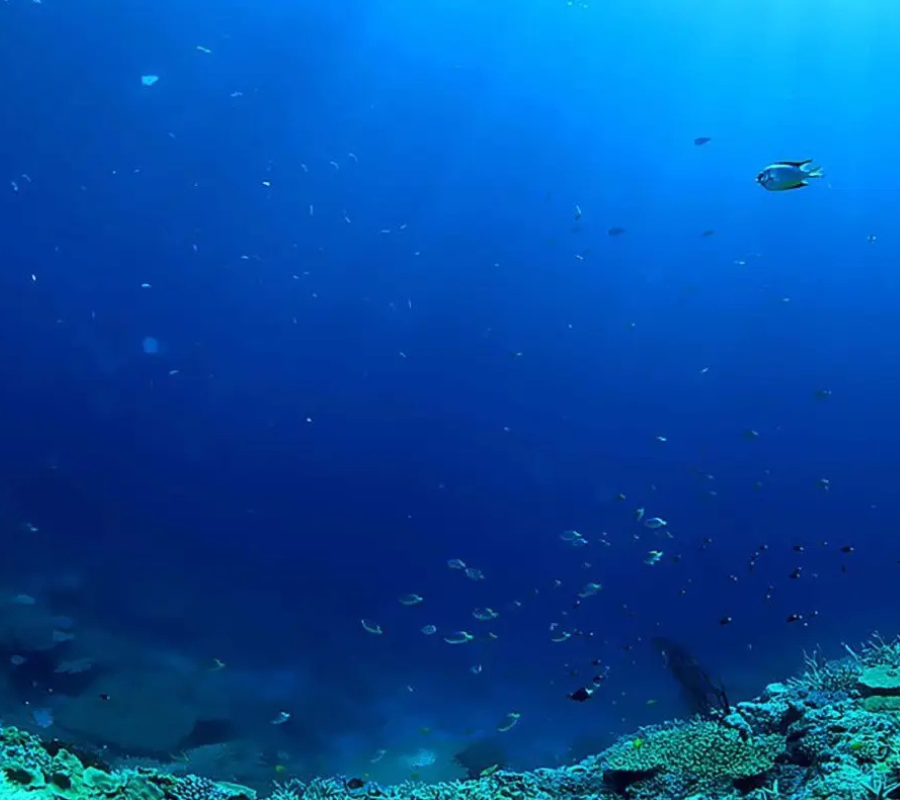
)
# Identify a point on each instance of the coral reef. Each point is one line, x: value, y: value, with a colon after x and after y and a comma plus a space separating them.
x: 29, y: 770
x: 832, y: 733
x: 829, y: 734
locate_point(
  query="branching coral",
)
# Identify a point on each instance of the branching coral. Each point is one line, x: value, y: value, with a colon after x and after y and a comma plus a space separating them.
x: 821, y: 675
x: 877, y: 786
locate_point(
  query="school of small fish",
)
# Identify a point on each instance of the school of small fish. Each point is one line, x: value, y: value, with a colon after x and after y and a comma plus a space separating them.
x: 657, y: 542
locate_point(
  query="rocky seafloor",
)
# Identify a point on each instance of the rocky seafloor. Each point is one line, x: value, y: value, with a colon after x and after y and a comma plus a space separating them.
x: 832, y: 733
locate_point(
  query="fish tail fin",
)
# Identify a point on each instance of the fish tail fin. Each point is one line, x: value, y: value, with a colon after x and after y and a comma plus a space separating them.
x: 814, y: 172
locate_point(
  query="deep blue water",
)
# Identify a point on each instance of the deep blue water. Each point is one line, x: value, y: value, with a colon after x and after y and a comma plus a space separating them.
x: 386, y: 341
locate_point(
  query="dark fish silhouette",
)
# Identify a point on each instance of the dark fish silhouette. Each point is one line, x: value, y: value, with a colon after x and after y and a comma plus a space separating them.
x: 702, y: 140
x: 581, y: 694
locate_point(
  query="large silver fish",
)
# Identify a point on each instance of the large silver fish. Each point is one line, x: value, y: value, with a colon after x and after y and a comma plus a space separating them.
x: 784, y: 175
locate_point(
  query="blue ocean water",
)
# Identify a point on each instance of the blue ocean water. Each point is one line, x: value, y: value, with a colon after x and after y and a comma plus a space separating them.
x: 353, y: 289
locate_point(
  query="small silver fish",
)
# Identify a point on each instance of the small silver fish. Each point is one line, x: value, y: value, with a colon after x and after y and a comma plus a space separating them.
x: 784, y: 175
x: 411, y: 599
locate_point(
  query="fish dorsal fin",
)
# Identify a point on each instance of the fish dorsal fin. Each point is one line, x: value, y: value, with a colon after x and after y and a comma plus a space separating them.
x: 796, y: 163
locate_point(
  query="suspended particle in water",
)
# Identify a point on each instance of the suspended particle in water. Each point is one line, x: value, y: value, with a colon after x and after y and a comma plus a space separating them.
x: 150, y: 345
